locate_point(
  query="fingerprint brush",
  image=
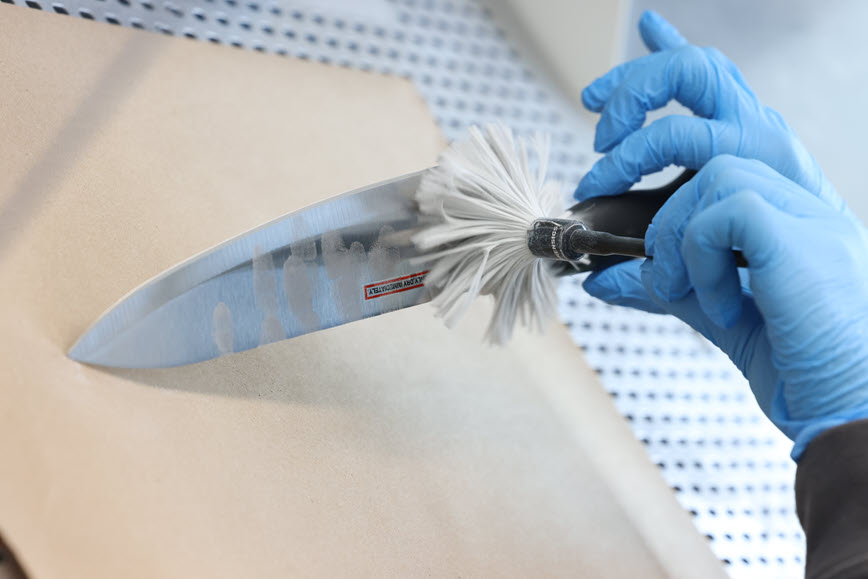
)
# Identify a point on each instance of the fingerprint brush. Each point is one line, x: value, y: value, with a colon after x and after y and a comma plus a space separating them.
x: 495, y: 225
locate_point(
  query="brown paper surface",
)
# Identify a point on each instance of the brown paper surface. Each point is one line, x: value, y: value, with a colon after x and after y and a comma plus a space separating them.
x: 389, y: 447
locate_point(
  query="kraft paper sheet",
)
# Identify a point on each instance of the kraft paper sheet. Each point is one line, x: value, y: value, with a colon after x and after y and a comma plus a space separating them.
x: 391, y: 447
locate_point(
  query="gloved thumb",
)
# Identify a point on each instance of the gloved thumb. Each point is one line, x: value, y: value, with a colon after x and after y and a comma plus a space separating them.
x: 746, y: 342
x: 621, y: 285
x: 630, y: 284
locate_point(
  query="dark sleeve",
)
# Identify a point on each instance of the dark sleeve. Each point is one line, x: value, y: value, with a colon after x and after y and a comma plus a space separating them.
x: 832, y: 502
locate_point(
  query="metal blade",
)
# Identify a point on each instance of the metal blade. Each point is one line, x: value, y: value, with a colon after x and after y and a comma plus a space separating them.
x: 342, y: 260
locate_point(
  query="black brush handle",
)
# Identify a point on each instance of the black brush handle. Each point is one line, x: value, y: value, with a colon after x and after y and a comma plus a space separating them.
x: 628, y: 215
x: 601, y: 244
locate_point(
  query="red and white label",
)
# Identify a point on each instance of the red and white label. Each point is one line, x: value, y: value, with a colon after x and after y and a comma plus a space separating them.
x: 396, y: 285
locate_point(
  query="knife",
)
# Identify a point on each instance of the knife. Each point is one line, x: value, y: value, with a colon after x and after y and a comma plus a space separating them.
x: 344, y: 259
x: 338, y: 261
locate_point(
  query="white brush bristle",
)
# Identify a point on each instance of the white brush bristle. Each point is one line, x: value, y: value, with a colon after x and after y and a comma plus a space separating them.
x: 477, y: 206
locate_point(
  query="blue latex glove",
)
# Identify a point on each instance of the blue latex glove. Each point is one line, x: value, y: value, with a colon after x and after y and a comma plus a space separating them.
x: 730, y: 119
x: 796, y: 325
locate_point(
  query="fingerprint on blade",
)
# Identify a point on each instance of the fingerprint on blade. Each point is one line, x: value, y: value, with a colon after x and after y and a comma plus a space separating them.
x: 222, y: 329
x: 334, y: 253
x: 299, y: 295
x: 350, y: 283
x: 344, y: 267
x: 265, y: 294
x: 383, y: 260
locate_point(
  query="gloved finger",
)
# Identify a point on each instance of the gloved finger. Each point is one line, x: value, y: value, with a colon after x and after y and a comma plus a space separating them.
x: 596, y: 94
x: 730, y: 67
x: 718, y: 179
x: 727, y: 174
x: 667, y: 271
x: 621, y: 285
x: 676, y: 139
x: 657, y: 33
x: 744, y: 220
x: 687, y: 74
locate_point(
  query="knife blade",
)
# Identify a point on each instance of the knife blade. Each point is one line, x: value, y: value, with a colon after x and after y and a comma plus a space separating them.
x: 342, y: 260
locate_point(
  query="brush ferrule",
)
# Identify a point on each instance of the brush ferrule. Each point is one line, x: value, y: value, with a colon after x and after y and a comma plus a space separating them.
x: 550, y: 238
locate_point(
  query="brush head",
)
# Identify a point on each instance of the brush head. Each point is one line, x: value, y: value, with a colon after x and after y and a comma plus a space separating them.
x: 477, y: 206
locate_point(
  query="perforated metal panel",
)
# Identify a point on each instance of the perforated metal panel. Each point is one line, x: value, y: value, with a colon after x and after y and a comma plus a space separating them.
x: 700, y: 424
x: 695, y: 414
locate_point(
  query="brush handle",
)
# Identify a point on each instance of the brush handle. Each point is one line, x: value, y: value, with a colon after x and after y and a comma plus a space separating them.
x: 627, y: 216
x: 602, y: 244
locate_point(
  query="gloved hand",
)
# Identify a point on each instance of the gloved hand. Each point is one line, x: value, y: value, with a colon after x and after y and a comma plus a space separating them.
x: 730, y: 119
x: 796, y: 325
